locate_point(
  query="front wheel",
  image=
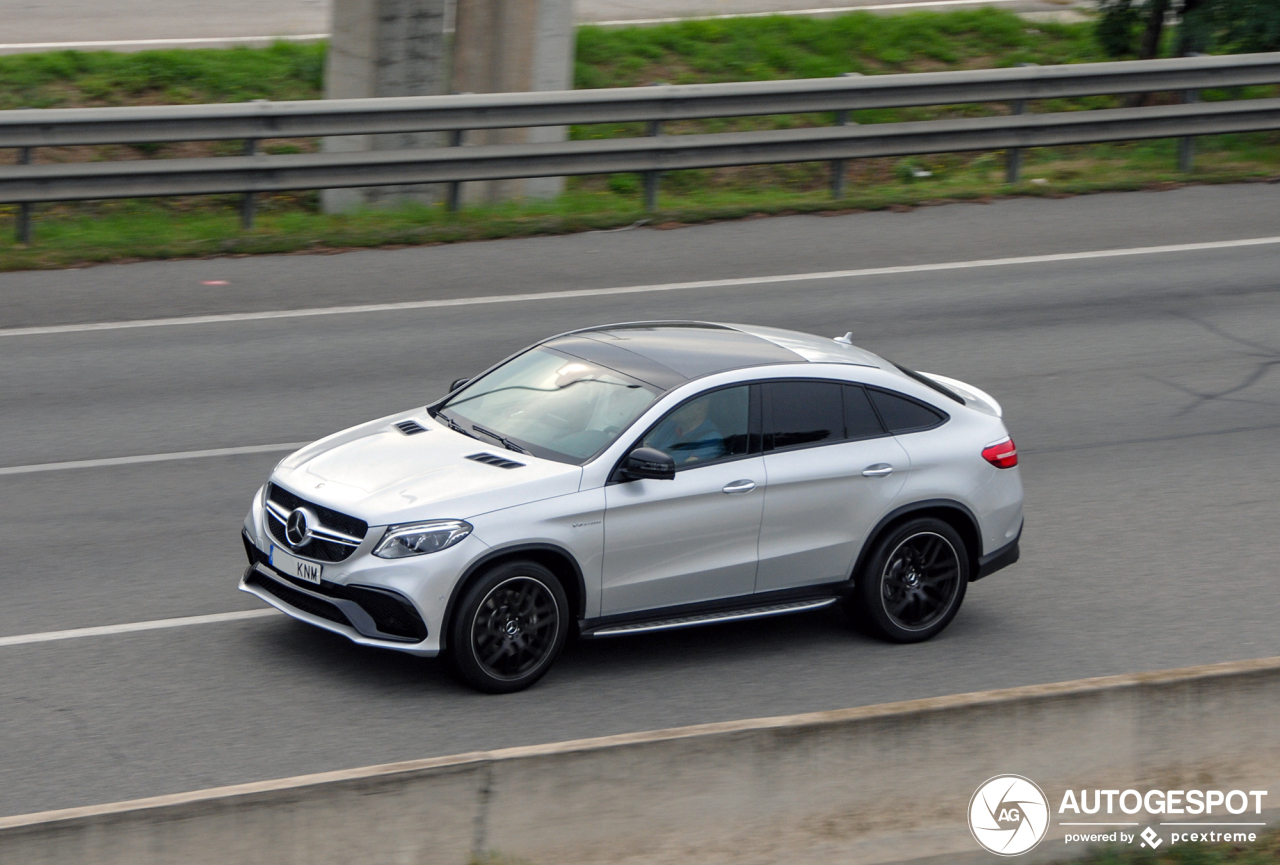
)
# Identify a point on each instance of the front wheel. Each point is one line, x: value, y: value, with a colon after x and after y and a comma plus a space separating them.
x: 509, y: 627
x: 913, y: 582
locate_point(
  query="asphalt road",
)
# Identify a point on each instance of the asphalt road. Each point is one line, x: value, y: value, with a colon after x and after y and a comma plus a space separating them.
x: 1142, y: 391
x: 138, y: 24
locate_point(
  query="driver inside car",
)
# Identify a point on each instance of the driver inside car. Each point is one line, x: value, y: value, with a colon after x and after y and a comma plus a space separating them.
x: 689, y: 435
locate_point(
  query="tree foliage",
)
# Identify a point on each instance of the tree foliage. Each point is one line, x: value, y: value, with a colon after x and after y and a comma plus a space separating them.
x: 1236, y: 26
x: 1128, y: 28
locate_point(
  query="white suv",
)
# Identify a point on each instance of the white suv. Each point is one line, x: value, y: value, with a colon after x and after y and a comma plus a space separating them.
x: 639, y: 477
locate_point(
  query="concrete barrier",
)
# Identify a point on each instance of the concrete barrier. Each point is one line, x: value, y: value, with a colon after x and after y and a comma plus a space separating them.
x: 888, y: 783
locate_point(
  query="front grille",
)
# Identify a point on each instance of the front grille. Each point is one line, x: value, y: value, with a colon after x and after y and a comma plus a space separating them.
x: 298, y: 600
x: 331, y: 518
x: 318, y: 548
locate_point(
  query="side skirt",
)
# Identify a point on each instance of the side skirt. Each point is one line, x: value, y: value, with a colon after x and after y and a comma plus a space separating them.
x: 715, y: 612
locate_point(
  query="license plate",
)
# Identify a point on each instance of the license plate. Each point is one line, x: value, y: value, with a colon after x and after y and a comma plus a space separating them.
x: 295, y: 567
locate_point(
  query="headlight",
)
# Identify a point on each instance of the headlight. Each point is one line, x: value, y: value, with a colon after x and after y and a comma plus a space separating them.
x: 415, y: 539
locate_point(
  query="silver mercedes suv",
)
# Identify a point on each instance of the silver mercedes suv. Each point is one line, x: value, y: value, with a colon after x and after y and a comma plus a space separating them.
x: 640, y: 477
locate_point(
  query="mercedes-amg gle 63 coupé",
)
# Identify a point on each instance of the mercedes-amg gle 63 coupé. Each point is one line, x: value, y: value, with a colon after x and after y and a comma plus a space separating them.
x: 639, y: 477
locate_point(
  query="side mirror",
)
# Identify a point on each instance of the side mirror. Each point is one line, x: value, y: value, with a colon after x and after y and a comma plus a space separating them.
x: 457, y: 383
x: 649, y: 463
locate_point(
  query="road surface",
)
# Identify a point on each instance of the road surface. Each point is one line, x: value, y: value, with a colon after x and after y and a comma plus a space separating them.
x: 1142, y: 389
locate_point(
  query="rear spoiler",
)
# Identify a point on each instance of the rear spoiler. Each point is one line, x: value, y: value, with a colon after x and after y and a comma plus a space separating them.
x: 975, y: 398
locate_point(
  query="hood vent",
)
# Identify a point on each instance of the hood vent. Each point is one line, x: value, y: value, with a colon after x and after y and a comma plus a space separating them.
x: 410, y: 427
x: 494, y: 460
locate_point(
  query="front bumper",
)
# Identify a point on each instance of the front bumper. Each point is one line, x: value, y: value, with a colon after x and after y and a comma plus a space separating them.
x: 365, y: 615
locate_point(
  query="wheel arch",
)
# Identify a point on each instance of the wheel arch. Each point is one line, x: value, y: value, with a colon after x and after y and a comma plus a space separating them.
x: 951, y: 512
x: 554, y: 558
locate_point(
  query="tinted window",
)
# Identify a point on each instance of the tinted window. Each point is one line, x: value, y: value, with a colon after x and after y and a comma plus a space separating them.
x: 901, y: 414
x: 860, y: 419
x: 708, y: 428
x: 803, y: 413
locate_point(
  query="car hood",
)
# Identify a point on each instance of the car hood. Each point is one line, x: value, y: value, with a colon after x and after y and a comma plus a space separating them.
x: 377, y: 473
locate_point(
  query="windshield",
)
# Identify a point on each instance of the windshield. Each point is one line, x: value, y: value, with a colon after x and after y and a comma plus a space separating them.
x: 550, y: 404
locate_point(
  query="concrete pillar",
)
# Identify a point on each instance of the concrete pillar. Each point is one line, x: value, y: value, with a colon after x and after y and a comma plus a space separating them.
x: 503, y: 46
x: 385, y: 48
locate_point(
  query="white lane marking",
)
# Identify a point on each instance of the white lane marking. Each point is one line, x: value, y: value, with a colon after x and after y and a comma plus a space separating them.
x: 222, y: 318
x: 131, y: 627
x: 829, y: 10
x: 150, y: 458
x: 144, y: 43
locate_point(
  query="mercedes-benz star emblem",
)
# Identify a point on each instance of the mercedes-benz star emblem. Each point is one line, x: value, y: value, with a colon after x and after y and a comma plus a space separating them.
x: 298, y: 529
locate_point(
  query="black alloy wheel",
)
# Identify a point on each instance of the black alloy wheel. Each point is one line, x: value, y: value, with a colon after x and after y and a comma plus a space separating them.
x: 913, y: 582
x: 509, y: 627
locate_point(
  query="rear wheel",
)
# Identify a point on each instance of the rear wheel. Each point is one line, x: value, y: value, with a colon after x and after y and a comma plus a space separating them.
x: 913, y: 582
x: 509, y: 627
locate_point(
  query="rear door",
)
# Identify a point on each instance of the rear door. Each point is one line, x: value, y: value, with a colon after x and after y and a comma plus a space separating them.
x: 832, y: 472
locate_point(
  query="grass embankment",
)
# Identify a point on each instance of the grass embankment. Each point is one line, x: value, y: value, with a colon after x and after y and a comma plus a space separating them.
x: 726, y: 50
x: 1266, y: 851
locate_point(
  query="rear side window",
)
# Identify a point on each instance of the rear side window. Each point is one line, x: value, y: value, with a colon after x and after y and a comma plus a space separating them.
x: 860, y: 419
x: 902, y: 414
x: 802, y: 413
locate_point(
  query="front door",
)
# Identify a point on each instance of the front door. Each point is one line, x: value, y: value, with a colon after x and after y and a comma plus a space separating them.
x: 694, y: 538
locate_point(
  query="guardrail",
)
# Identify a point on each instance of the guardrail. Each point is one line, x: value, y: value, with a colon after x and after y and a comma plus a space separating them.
x: 31, y: 128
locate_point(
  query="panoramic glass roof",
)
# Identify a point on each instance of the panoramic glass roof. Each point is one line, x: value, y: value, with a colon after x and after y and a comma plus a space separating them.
x: 670, y: 354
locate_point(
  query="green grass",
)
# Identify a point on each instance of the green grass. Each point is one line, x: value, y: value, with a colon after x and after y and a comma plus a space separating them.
x: 725, y: 50
x: 759, y: 49
x: 69, y: 79
x: 1266, y: 851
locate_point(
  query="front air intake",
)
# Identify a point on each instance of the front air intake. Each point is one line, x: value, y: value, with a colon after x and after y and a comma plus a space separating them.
x: 410, y: 427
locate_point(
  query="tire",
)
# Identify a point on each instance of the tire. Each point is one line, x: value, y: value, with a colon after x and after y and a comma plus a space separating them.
x: 509, y: 627
x: 913, y: 583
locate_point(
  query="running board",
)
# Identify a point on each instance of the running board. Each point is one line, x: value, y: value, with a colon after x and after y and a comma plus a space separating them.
x: 712, y: 618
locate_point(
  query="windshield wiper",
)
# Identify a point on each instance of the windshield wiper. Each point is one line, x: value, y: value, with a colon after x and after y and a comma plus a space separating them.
x: 452, y: 424
x: 505, y: 442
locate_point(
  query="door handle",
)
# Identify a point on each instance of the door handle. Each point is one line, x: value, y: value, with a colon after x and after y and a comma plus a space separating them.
x: 879, y: 470
x: 743, y: 486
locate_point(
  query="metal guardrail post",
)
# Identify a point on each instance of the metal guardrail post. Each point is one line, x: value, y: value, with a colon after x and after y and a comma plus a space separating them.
x: 453, y: 200
x: 23, y: 231
x: 1013, y: 158
x: 248, y: 206
x: 1187, y: 146
x: 652, y: 178
x: 838, y: 165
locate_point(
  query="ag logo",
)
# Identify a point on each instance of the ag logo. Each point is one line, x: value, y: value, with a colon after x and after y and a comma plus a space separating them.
x: 1009, y: 815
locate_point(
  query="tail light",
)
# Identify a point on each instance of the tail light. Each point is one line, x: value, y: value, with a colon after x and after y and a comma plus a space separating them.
x: 1003, y: 454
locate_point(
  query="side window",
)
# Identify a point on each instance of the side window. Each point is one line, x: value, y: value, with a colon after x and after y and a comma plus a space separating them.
x: 902, y: 414
x: 860, y: 420
x: 709, y: 427
x: 802, y: 413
